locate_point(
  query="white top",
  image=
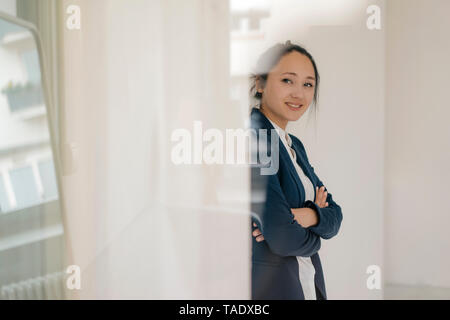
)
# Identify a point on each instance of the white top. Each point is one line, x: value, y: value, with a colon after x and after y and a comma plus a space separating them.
x: 305, y: 267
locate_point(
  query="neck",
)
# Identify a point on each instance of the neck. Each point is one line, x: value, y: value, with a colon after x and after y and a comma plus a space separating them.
x: 280, y: 122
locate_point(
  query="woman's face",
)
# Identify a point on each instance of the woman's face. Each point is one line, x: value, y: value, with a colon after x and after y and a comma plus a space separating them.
x: 289, y: 89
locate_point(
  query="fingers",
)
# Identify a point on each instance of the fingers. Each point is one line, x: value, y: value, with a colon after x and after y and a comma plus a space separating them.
x: 258, y: 235
x: 321, y: 197
x: 324, y: 196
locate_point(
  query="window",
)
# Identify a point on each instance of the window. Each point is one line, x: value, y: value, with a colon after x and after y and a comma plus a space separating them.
x: 30, y: 59
x: 4, y: 201
x: 48, y: 179
x: 24, y: 186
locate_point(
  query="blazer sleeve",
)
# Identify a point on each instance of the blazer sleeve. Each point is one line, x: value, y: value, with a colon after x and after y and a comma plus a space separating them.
x: 329, y: 217
x: 282, y: 233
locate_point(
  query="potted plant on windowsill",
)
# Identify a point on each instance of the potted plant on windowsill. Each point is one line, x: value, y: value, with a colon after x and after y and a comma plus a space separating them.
x: 21, y: 96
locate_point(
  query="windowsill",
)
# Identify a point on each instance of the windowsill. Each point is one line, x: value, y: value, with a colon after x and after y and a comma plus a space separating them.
x: 30, y: 112
x: 25, y: 238
x: 19, y: 40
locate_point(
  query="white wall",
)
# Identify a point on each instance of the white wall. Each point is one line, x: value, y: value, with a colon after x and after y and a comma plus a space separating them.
x: 417, y: 144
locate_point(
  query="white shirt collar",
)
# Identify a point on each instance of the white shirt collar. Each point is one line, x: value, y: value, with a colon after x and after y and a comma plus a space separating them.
x: 284, y: 135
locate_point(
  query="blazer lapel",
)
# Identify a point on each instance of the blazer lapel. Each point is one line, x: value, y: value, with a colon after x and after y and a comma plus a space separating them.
x: 287, y: 160
x: 301, y: 161
x: 283, y: 153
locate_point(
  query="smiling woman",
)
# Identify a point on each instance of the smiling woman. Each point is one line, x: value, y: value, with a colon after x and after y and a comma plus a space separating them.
x: 297, y: 209
x: 293, y: 85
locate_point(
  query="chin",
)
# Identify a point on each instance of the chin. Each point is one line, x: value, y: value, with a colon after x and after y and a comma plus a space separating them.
x: 294, y: 116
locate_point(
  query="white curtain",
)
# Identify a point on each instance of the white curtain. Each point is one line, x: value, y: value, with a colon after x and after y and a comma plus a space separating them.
x: 137, y: 225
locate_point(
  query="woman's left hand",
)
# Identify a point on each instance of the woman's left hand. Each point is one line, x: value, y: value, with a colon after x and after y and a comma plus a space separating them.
x: 306, y: 217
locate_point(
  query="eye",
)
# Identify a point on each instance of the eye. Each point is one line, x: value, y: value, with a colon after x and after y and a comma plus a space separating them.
x: 286, y: 80
x: 309, y: 84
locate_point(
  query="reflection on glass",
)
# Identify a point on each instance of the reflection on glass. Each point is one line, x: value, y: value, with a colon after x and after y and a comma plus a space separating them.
x: 31, y: 232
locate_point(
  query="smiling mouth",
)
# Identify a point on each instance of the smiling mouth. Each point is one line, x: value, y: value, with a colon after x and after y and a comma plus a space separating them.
x: 293, y: 106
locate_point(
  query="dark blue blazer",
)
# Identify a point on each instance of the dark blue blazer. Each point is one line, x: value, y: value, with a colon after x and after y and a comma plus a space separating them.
x: 274, y: 262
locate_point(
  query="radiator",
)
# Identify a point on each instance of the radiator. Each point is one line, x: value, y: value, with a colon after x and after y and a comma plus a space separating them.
x: 48, y: 287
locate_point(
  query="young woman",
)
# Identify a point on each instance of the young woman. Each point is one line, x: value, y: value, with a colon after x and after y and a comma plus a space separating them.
x: 297, y: 210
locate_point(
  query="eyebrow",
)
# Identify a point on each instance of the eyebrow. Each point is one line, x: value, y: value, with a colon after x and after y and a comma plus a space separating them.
x: 294, y: 74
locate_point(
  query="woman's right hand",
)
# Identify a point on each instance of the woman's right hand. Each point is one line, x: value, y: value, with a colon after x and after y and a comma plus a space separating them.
x: 257, y: 234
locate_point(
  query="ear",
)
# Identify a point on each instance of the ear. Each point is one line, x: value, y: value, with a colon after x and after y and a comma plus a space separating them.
x: 259, y: 84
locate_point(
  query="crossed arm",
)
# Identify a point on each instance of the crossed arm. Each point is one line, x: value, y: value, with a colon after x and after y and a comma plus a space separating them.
x: 282, y: 232
x: 306, y: 217
x: 297, y: 231
x: 329, y: 216
x: 321, y: 218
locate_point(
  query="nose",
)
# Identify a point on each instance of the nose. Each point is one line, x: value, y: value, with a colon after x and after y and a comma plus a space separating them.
x: 298, y: 93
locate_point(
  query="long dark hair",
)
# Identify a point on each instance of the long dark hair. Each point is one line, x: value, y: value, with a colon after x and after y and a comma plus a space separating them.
x: 270, y: 58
